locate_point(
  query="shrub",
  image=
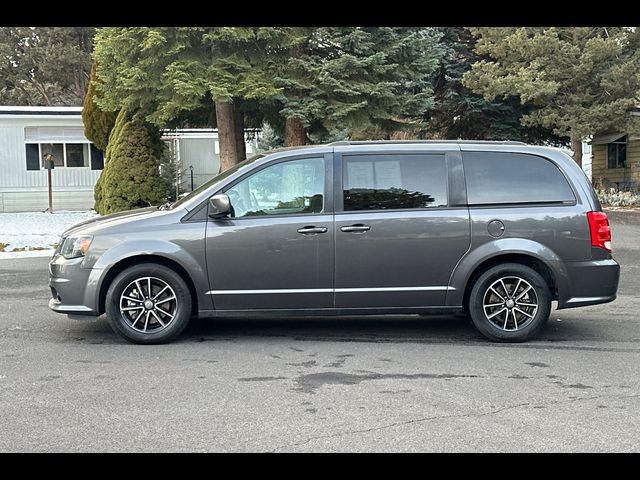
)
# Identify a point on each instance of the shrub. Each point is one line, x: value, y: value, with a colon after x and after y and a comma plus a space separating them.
x: 131, y: 176
x: 616, y: 198
x: 121, y: 119
x: 97, y: 124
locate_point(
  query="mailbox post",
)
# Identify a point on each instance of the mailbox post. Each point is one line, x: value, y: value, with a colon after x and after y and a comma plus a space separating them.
x: 48, y: 164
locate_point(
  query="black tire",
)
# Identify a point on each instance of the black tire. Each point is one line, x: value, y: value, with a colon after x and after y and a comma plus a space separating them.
x: 154, y: 333
x: 501, y: 327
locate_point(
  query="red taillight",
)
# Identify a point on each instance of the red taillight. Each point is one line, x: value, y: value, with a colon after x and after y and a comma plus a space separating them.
x: 600, y: 231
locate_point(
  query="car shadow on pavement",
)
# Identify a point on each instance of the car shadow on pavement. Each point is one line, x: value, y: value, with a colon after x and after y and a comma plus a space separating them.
x: 365, y: 329
x: 390, y: 328
x: 378, y: 329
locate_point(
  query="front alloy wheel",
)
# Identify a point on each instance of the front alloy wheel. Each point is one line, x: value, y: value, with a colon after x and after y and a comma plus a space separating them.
x: 148, y: 303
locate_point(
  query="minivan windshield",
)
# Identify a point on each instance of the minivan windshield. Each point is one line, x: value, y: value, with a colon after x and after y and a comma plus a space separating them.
x: 217, y: 178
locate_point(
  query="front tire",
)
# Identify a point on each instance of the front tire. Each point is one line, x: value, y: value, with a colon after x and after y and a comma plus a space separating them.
x: 148, y: 304
x: 510, y: 303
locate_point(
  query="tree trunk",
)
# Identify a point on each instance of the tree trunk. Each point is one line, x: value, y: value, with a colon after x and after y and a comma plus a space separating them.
x: 81, y: 81
x: 238, y: 123
x: 576, y: 146
x: 226, y: 135
x: 43, y: 91
x: 294, y: 133
x: 81, y: 75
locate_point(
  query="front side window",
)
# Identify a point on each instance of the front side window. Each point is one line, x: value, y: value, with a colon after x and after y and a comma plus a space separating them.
x: 286, y: 188
x: 389, y: 182
x: 504, y: 178
x: 617, y: 153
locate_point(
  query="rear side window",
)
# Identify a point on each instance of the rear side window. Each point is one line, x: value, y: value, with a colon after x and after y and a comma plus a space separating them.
x: 379, y: 182
x: 499, y: 178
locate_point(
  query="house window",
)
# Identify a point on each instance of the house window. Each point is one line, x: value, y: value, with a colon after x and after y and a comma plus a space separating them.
x: 617, y: 153
x: 68, y: 145
x: 77, y: 154
x: 55, y: 149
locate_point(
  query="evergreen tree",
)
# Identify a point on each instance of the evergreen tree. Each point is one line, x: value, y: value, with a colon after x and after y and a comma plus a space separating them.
x: 97, y: 123
x: 167, y: 71
x: 270, y: 139
x: 44, y: 65
x: 131, y: 178
x: 460, y: 113
x: 350, y: 78
x: 114, y: 137
x: 581, y: 80
x: 317, y: 82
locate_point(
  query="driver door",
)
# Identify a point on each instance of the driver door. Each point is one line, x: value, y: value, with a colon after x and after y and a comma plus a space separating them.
x: 275, y: 251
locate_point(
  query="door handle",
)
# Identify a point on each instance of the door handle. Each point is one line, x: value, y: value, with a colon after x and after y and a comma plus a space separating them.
x: 311, y: 230
x: 357, y: 228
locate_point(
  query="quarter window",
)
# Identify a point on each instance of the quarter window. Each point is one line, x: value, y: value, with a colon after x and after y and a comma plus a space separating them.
x: 617, y: 153
x: 381, y: 182
x: 499, y: 178
x: 294, y: 187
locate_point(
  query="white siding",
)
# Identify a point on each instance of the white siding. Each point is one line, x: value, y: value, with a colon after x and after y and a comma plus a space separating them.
x: 586, y: 159
x: 200, y: 154
x: 26, y: 190
x: 33, y: 201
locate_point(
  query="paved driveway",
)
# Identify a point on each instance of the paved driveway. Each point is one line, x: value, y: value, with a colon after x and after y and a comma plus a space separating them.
x: 353, y: 384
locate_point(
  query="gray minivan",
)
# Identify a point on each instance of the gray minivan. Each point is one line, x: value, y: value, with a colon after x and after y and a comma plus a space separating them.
x: 497, y: 230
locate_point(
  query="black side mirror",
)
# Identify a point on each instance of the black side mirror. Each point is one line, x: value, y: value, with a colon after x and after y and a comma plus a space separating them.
x: 219, y: 206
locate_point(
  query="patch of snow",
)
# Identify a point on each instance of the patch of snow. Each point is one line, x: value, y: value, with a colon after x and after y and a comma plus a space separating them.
x: 36, y: 230
x: 27, y: 253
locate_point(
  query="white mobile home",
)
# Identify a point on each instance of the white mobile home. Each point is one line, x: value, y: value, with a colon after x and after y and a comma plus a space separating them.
x: 28, y: 133
x: 197, y: 153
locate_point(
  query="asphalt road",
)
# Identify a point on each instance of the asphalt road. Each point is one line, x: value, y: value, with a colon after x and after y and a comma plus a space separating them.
x: 353, y: 384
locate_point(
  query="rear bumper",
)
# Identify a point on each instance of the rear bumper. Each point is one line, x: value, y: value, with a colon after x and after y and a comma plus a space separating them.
x: 590, y: 283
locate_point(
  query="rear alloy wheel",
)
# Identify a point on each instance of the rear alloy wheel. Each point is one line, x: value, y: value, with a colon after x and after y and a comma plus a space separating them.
x: 148, y: 304
x: 510, y: 303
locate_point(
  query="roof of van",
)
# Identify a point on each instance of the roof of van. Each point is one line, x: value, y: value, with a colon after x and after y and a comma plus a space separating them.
x: 368, y: 145
x: 392, y: 142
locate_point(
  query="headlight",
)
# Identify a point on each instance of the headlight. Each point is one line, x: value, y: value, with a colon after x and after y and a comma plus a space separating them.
x: 74, y: 247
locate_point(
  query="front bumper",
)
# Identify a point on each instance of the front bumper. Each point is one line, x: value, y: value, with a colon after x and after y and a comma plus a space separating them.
x: 590, y: 283
x: 72, y: 288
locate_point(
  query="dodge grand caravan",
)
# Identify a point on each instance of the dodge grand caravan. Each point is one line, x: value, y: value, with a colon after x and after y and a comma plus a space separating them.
x: 495, y: 230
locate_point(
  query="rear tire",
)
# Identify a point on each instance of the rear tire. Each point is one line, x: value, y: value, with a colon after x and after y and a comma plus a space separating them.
x: 510, y: 303
x: 148, y: 304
